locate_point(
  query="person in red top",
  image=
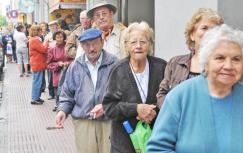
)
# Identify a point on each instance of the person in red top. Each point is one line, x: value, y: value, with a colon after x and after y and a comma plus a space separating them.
x: 57, y: 59
x: 38, y: 62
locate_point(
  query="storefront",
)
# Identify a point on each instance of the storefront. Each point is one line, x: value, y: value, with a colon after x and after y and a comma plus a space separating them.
x: 66, y: 9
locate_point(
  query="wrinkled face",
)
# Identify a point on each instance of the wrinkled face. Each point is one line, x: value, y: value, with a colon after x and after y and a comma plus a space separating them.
x: 200, y: 29
x: 59, y: 39
x: 225, y: 64
x: 137, y: 45
x: 103, y: 18
x: 54, y: 28
x: 92, y: 49
x: 84, y: 20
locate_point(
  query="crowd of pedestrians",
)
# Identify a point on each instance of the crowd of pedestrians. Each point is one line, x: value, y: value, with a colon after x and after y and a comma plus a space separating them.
x: 104, y: 73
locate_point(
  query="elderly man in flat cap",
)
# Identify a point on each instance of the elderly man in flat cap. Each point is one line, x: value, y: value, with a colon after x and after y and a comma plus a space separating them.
x: 82, y: 94
x: 72, y: 41
x: 102, y: 15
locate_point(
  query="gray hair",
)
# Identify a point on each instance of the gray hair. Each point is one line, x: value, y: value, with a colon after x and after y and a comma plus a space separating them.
x: 143, y: 26
x: 213, y: 37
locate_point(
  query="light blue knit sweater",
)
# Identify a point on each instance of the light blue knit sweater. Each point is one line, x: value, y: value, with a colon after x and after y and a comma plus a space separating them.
x: 185, y: 123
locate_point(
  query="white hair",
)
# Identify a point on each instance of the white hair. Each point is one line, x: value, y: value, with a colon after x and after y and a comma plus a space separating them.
x: 141, y: 26
x: 213, y: 37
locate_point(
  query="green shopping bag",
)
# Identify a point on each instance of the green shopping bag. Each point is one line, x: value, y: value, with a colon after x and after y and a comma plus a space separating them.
x: 139, y: 136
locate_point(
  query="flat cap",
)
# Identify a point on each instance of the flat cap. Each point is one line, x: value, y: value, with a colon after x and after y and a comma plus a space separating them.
x: 53, y: 22
x: 111, y: 7
x: 90, y: 34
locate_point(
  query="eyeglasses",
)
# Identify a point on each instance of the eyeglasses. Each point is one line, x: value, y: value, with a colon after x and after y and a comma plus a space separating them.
x: 102, y: 14
x: 84, y: 18
x: 135, y: 42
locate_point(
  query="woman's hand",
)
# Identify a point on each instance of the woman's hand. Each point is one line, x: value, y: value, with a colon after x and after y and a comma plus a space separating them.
x: 65, y: 63
x: 60, y: 63
x: 60, y: 118
x: 45, y: 43
x: 146, y: 113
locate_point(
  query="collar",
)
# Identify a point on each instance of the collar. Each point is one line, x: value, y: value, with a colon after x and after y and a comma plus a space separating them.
x: 116, y: 30
x: 98, y: 63
x: 61, y: 45
x: 185, y: 60
x: 107, y: 59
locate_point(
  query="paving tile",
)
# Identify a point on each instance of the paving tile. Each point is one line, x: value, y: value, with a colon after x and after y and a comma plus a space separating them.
x: 23, y: 127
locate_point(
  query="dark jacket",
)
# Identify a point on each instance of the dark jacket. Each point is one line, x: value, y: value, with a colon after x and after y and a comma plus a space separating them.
x: 176, y: 71
x: 5, y: 40
x: 122, y: 97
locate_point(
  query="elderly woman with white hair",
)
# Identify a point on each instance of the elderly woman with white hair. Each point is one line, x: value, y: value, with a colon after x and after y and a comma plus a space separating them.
x: 132, y: 86
x: 204, y: 114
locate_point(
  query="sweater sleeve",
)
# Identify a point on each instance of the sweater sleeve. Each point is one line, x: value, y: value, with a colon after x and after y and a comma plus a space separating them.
x: 38, y: 46
x: 52, y: 65
x: 114, y: 107
x: 164, y: 135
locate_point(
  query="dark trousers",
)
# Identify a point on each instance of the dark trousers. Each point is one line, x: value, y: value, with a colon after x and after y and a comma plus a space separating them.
x: 50, y: 84
x: 60, y: 83
x: 43, y: 84
x: 14, y: 56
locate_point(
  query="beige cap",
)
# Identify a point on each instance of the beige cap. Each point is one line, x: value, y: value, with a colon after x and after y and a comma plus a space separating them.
x: 111, y: 7
x: 52, y: 22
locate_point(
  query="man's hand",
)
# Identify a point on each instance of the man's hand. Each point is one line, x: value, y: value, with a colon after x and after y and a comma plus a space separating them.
x: 146, y: 113
x: 60, y: 118
x: 97, y: 111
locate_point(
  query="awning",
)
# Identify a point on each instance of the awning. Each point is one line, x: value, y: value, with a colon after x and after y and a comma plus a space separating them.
x: 67, y: 6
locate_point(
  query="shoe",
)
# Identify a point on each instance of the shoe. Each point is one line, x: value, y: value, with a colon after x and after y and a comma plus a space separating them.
x: 40, y: 100
x: 49, y: 98
x: 54, y: 109
x: 35, y: 102
x: 21, y: 75
x: 27, y: 75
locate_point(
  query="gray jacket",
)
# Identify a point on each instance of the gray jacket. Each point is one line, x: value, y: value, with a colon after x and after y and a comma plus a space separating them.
x: 78, y: 97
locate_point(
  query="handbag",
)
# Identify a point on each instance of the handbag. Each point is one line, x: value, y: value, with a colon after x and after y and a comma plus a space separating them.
x: 139, y: 136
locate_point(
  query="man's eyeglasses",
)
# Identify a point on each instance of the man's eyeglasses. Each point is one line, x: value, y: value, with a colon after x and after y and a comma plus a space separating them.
x: 102, y: 14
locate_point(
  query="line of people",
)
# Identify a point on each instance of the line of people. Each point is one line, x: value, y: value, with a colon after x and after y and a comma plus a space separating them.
x: 106, y: 74
x: 98, y: 89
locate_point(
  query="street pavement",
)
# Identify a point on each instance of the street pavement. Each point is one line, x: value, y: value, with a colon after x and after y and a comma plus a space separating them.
x: 23, y: 127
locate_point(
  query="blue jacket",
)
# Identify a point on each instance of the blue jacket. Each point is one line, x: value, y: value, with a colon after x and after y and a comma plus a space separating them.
x: 185, y: 123
x: 78, y: 97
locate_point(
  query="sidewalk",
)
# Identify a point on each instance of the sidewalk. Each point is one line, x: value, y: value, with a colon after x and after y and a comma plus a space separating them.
x: 23, y: 126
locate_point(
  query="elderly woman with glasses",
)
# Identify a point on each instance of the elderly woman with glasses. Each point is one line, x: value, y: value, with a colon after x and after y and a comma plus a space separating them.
x: 132, y: 86
x: 204, y: 114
